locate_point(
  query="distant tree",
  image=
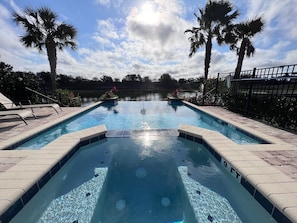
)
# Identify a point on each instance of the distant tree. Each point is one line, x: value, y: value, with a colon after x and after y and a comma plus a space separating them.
x: 213, y: 20
x: 182, y: 81
x: 12, y: 84
x: 44, y: 31
x: 147, y: 79
x: 5, y: 68
x: 165, y: 78
x: 64, y: 81
x: 26, y: 79
x: 106, y: 79
x: 80, y: 79
x: 167, y: 81
x: 95, y: 79
x: 132, y: 78
x: 45, y: 81
x: 191, y: 80
x: 241, y: 40
x: 117, y: 80
x: 6, y: 78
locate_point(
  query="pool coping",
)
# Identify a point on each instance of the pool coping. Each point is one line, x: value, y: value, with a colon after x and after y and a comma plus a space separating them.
x: 272, y: 188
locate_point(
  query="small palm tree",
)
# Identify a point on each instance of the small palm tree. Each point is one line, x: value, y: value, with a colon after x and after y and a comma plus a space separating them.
x: 44, y: 31
x: 213, y: 21
x: 242, y: 34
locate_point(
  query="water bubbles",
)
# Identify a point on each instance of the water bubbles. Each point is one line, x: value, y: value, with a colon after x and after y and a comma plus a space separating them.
x: 140, y: 173
x: 64, y: 177
x: 165, y: 201
x: 120, y: 205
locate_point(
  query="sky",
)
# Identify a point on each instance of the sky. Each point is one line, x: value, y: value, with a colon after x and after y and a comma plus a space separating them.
x: 146, y: 37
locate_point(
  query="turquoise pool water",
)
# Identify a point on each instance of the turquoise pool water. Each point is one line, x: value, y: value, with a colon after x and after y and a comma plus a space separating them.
x: 144, y: 179
x: 140, y: 115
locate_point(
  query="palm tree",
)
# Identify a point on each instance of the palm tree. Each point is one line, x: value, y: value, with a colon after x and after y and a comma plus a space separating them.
x: 213, y: 21
x: 43, y: 31
x: 242, y: 33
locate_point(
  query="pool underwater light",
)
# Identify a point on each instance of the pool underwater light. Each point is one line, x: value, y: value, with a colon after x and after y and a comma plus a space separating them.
x: 120, y: 205
x: 140, y: 173
x: 165, y: 201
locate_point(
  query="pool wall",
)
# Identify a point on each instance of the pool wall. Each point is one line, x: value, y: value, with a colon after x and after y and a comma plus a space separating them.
x: 254, y: 174
x: 22, y: 181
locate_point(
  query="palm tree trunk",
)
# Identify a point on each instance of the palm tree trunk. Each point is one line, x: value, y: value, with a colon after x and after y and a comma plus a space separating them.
x: 207, y: 64
x: 52, y: 58
x: 207, y: 56
x: 240, y: 59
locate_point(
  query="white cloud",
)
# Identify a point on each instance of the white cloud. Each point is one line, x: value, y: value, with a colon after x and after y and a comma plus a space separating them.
x: 11, y: 49
x: 141, y: 47
x: 279, y: 17
x: 101, y: 40
x: 114, y: 3
x: 291, y: 57
x: 158, y: 41
x: 103, y: 2
x: 117, y: 3
x: 107, y: 29
x: 153, y: 42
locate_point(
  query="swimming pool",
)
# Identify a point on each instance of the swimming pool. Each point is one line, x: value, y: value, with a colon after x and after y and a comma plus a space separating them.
x: 141, y: 115
x: 147, y: 178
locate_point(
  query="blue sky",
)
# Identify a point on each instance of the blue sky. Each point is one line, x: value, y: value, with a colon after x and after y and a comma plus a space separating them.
x: 146, y: 37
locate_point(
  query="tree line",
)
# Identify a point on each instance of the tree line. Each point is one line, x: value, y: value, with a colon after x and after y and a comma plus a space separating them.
x: 13, y: 83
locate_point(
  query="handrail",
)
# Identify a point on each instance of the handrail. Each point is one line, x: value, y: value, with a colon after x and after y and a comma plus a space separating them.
x: 207, y: 93
x: 36, y: 92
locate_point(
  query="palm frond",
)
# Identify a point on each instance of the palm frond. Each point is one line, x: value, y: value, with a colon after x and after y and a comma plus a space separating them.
x: 48, y: 19
x: 250, y: 28
x: 250, y: 49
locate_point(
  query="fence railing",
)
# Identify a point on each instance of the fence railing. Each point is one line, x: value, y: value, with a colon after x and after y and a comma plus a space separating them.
x: 268, y: 94
x: 269, y: 72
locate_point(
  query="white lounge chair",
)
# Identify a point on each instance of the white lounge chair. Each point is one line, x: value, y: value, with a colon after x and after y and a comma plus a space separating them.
x: 9, y: 105
x: 22, y: 114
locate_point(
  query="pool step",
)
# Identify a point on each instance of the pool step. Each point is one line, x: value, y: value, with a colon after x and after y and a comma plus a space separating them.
x: 77, y: 205
x: 208, y: 205
x: 136, y: 133
x: 142, y: 190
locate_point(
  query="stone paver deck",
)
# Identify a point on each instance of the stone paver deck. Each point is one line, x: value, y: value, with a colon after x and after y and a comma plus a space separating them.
x: 284, y: 160
x: 11, y: 126
x: 273, y: 167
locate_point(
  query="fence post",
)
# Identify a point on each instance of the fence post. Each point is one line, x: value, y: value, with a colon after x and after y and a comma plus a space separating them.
x: 254, y: 72
x: 216, y: 93
x: 247, y: 108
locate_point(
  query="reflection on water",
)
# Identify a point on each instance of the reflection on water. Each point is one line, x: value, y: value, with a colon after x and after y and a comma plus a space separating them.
x: 141, y: 96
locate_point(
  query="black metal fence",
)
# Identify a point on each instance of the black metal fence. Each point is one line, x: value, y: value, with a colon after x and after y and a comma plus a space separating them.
x: 268, y: 94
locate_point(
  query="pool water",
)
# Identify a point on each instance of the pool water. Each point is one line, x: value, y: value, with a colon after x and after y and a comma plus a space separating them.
x: 143, y: 179
x: 141, y: 190
x: 140, y: 115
